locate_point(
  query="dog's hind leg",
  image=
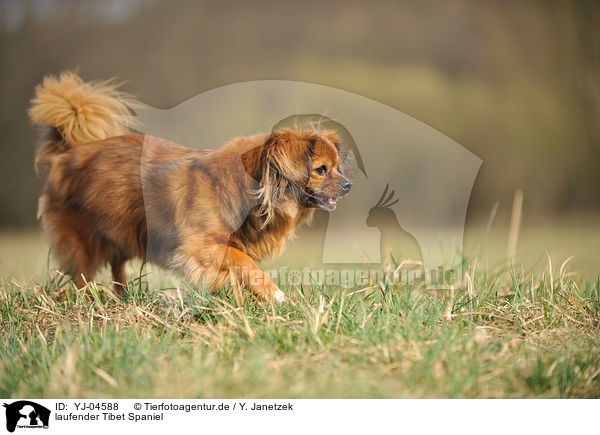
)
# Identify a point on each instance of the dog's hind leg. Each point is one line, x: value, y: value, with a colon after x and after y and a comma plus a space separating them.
x: 117, y: 266
x: 73, y: 246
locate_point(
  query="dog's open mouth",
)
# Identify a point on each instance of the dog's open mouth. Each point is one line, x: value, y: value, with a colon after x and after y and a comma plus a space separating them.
x: 321, y: 201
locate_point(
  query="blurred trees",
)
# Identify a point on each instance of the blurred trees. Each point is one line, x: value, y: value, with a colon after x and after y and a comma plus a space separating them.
x: 514, y: 82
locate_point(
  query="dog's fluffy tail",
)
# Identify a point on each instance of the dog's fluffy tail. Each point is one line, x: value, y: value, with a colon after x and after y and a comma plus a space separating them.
x: 81, y: 112
x: 77, y: 111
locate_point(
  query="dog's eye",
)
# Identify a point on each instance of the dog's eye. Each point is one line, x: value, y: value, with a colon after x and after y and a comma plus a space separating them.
x: 321, y: 170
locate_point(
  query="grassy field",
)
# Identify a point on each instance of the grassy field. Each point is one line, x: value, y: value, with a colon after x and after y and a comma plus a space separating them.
x: 509, y: 333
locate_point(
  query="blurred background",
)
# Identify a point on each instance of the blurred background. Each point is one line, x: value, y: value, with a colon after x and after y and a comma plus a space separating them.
x: 516, y: 83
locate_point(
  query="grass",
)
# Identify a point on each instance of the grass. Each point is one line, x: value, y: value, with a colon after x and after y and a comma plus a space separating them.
x: 507, y: 334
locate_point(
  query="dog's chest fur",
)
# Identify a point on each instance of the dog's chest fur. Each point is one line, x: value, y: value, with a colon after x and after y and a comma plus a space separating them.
x: 264, y: 242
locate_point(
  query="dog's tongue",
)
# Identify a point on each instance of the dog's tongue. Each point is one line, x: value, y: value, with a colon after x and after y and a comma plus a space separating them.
x: 332, y: 201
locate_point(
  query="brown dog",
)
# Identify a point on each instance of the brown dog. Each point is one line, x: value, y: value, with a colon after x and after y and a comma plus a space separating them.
x: 110, y: 196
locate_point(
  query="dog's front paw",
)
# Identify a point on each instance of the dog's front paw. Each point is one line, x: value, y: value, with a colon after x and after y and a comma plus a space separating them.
x: 261, y: 285
x: 270, y: 293
x: 278, y: 297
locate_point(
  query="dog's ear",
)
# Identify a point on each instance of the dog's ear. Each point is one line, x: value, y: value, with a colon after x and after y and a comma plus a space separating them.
x: 289, y: 155
x: 333, y: 137
x: 281, y: 165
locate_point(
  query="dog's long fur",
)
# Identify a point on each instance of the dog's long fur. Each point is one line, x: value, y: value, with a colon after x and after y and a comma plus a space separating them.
x: 110, y: 196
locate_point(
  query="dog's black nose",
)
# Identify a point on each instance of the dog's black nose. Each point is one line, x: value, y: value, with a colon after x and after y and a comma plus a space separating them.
x: 346, y: 184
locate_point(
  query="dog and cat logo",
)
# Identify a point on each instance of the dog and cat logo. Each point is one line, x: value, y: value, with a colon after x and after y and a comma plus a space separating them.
x: 25, y: 414
x: 422, y: 178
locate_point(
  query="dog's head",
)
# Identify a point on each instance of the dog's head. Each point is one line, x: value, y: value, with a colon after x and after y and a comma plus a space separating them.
x: 301, y: 166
